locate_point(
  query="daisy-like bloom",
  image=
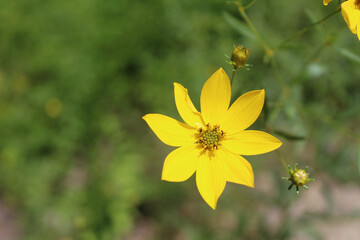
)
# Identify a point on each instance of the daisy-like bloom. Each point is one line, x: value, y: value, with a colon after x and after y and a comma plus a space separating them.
x: 211, y: 142
x: 326, y: 2
x: 351, y: 13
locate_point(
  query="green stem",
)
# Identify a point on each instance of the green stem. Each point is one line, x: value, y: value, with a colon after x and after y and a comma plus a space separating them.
x: 283, y: 162
x: 250, y: 4
x: 307, y: 28
x: 310, y: 59
x: 232, y: 77
x: 277, y: 74
x: 286, y: 91
x: 268, y: 51
x: 270, y: 54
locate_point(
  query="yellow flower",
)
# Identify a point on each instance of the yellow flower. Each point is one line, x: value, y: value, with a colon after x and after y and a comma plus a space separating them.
x: 351, y: 13
x: 326, y: 2
x: 211, y: 142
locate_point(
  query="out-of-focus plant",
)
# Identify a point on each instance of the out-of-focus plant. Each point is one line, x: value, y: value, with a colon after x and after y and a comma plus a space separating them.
x: 77, y: 161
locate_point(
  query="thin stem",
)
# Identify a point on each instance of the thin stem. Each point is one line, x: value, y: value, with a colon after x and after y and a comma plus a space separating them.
x: 286, y: 91
x: 270, y: 54
x: 278, y: 77
x: 268, y: 51
x: 313, y: 56
x: 283, y: 162
x: 250, y: 4
x: 232, y: 77
x: 307, y: 28
x: 277, y: 108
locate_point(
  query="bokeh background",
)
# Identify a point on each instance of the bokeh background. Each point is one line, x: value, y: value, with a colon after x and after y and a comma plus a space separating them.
x: 78, y: 162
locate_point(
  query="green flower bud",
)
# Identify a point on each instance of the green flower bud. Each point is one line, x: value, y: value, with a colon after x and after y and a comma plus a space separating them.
x: 239, y: 56
x: 299, y: 178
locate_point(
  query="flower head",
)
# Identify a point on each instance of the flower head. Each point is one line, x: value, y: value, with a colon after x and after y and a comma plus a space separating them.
x: 351, y: 13
x: 211, y: 142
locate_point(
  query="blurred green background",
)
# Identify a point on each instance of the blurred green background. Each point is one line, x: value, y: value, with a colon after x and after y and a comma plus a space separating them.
x: 78, y: 162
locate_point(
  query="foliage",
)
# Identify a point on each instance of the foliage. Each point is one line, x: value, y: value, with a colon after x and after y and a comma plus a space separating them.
x: 78, y: 162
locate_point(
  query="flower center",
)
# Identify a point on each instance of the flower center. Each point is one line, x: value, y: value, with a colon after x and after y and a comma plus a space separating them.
x: 210, y: 137
x: 357, y: 4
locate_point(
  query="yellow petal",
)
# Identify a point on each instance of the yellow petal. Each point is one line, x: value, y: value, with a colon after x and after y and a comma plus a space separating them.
x: 350, y: 14
x: 170, y: 131
x: 215, y: 97
x: 185, y: 106
x: 237, y: 169
x: 326, y: 2
x: 243, y: 112
x: 251, y: 142
x: 210, y: 179
x: 181, y: 163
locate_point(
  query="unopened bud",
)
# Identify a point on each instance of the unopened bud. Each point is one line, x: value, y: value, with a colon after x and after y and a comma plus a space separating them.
x: 239, y: 56
x: 299, y: 178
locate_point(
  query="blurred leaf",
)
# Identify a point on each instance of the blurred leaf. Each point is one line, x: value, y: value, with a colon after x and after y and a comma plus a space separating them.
x: 238, y: 26
x: 350, y: 55
x: 289, y: 136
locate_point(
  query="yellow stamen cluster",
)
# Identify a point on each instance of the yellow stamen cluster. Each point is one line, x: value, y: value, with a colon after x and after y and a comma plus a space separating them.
x: 357, y: 4
x: 211, y: 137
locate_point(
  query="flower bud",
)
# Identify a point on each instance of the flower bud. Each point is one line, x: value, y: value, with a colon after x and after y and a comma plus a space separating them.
x: 239, y: 56
x: 299, y: 178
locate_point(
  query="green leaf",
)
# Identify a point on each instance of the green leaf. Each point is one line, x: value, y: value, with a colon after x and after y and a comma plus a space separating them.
x: 289, y: 136
x: 350, y: 55
x: 239, y: 26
